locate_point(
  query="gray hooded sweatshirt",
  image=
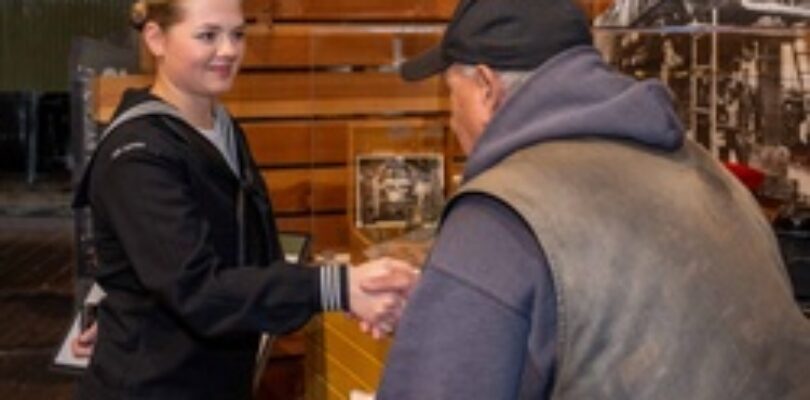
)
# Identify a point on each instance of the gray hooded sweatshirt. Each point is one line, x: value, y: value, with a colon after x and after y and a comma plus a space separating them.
x: 482, y: 322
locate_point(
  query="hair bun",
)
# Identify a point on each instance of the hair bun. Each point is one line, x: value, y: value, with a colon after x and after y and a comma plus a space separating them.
x: 138, y: 14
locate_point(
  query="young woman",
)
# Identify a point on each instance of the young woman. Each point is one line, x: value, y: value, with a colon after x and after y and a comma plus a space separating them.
x: 189, y: 253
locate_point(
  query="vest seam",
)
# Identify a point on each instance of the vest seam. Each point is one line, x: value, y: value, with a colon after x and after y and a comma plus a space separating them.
x: 562, y: 344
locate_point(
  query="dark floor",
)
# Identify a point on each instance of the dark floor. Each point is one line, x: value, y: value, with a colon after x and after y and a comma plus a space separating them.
x: 36, y: 286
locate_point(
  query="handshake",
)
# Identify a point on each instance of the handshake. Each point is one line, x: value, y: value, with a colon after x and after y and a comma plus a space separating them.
x: 377, y: 293
x: 378, y: 290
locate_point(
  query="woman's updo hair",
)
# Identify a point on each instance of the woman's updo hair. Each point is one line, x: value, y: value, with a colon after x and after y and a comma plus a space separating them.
x: 165, y: 13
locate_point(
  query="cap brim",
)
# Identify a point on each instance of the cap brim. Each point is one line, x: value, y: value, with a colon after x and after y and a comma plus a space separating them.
x: 425, y: 65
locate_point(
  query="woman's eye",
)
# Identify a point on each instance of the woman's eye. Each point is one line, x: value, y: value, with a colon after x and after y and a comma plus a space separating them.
x: 238, y: 35
x: 207, y: 36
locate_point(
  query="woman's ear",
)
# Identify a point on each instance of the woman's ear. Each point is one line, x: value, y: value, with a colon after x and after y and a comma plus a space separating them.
x: 154, y: 38
x: 490, y: 83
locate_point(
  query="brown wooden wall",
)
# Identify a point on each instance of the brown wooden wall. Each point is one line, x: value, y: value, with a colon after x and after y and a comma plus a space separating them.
x: 371, y: 10
x: 314, y: 72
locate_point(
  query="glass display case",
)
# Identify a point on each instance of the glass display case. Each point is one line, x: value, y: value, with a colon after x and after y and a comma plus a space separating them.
x: 397, y: 182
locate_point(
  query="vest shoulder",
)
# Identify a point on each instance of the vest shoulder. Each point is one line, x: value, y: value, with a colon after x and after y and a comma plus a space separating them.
x: 557, y: 161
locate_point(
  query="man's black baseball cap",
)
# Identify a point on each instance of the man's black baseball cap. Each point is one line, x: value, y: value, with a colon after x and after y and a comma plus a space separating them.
x: 503, y: 34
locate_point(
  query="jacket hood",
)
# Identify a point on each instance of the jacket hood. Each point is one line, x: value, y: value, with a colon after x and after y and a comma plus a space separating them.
x: 131, y: 98
x: 576, y: 94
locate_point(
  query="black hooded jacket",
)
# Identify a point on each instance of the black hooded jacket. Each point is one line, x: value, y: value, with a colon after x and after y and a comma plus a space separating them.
x: 182, y: 314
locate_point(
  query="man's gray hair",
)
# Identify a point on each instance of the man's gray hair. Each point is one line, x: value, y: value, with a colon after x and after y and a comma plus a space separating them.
x: 512, y: 80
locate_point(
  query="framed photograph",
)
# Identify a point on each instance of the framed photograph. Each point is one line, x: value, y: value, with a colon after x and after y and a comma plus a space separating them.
x: 399, y: 190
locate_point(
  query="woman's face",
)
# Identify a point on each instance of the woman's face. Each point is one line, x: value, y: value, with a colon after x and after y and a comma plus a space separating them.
x: 201, y: 53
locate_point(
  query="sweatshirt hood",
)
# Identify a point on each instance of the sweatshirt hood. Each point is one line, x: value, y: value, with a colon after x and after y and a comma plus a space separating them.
x: 575, y: 95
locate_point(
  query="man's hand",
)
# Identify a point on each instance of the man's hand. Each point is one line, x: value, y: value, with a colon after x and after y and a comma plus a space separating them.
x: 377, y: 293
x: 82, y: 346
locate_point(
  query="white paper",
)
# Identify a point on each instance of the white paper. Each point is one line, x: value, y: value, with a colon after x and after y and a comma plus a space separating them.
x: 360, y: 395
x: 65, y: 357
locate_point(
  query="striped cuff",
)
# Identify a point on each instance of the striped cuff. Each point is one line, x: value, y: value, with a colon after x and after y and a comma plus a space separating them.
x: 333, y: 279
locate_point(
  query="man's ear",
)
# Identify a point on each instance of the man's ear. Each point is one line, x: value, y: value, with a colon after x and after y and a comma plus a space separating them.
x: 155, y: 39
x: 490, y: 83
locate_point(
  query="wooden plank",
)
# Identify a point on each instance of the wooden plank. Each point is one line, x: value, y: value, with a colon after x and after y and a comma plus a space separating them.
x: 303, y: 94
x: 376, y: 10
x: 338, y: 327
x: 329, y: 232
x: 362, y: 10
x: 307, y: 190
x: 337, y: 371
x: 339, y: 374
x: 256, y: 9
x: 317, y: 388
x: 314, y: 143
x: 305, y: 45
x: 454, y: 150
x: 346, y: 357
x: 323, y: 45
x: 398, y: 136
x: 298, y: 142
x: 289, y: 345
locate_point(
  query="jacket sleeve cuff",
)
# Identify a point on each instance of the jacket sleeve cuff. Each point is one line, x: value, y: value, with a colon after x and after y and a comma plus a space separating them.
x: 334, y: 288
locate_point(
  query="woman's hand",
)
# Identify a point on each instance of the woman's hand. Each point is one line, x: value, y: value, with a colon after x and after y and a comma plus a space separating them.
x: 82, y: 346
x: 378, y: 290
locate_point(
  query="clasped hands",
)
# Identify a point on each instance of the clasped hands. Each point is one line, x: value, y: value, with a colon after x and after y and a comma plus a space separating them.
x: 377, y: 293
x: 378, y: 290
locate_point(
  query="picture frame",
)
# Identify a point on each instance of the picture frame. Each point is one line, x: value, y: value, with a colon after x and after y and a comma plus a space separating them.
x: 399, y: 190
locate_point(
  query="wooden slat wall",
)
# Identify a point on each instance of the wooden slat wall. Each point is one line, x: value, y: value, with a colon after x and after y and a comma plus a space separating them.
x: 256, y: 9
x: 375, y: 10
x: 328, y: 44
x: 345, y: 358
x: 370, y: 10
x: 360, y: 10
x: 278, y: 143
x: 304, y: 95
x: 296, y: 44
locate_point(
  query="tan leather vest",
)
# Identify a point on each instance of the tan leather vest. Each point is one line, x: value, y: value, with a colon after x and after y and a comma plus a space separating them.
x: 668, y: 278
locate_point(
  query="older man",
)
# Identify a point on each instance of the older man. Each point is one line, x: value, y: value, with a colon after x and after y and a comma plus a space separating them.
x: 592, y: 252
